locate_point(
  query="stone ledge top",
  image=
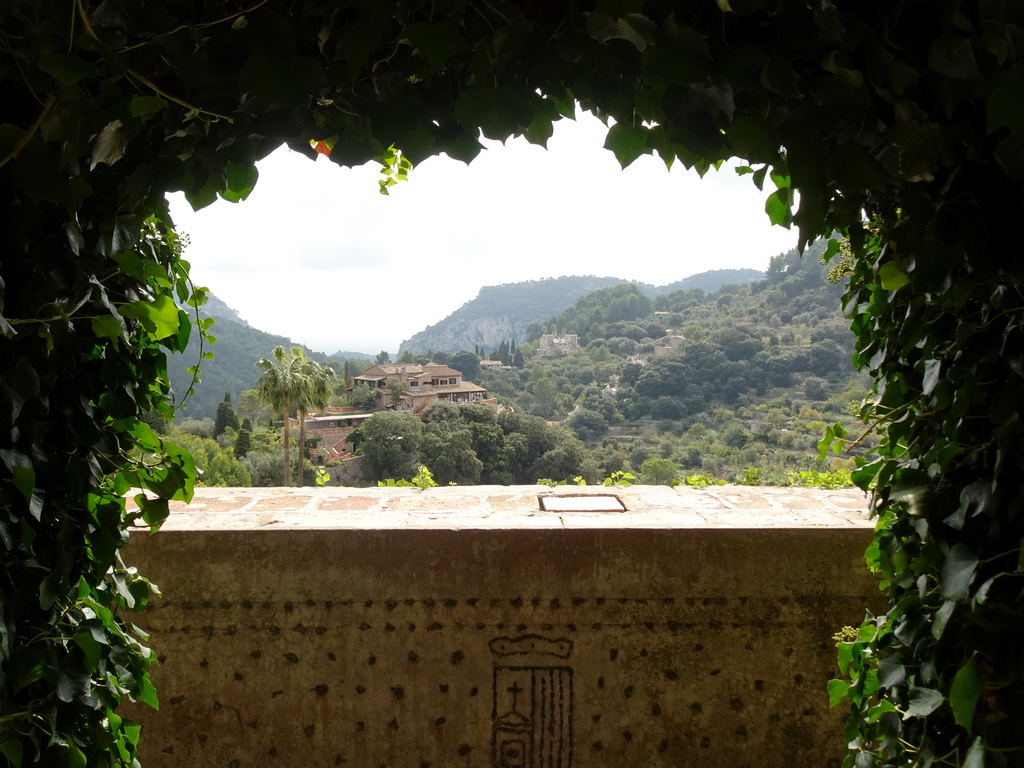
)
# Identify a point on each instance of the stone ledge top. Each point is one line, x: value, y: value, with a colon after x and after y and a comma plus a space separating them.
x: 498, y: 507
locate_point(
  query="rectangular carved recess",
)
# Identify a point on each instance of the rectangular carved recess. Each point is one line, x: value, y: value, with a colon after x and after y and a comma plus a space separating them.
x: 581, y: 502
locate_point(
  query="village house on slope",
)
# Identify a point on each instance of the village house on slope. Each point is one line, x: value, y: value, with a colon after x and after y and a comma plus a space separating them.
x: 554, y: 346
x: 422, y: 384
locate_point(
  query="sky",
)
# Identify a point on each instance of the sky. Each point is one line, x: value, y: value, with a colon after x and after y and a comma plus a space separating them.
x: 318, y: 255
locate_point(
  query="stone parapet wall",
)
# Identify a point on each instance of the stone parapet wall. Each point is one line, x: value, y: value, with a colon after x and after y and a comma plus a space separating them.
x: 467, y: 627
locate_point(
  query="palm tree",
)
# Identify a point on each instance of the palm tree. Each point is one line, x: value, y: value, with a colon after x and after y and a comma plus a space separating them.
x: 317, y: 385
x: 291, y: 380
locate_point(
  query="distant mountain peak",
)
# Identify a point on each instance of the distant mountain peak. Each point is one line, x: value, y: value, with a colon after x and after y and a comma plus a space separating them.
x: 216, y: 308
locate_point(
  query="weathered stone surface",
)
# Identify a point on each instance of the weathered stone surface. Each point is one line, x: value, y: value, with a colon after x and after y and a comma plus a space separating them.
x: 465, y: 627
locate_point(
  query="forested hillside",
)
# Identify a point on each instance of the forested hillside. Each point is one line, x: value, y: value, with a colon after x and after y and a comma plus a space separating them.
x: 504, y: 312
x: 233, y: 368
x: 749, y: 376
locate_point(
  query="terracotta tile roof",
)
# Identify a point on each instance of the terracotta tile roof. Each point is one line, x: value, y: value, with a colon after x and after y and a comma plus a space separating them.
x: 377, y: 372
x: 440, y: 370
x: 449, y: 389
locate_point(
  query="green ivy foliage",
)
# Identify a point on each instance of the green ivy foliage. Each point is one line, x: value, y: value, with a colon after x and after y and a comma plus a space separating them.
x: 908, y: 116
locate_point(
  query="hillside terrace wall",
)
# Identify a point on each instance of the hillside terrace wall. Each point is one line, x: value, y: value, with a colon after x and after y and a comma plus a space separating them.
x: 466, y: 626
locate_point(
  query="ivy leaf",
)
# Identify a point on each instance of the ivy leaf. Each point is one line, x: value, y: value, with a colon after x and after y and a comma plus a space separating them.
x: 282, y: 80
x: 154, y: 512
x: 187, y: 473
x: 539, y: 131
x: 1005, y: 106
x: 891, y: 672
x: 891, y: 277
x: 159, y: 316
x: 241, y: 180
x: 437, y: 43
x: 146, y: 437
x: 942, y: 617
x: 975, y: 757
x: 759, y: 176
x: 633, y: 27
x: 965, y: 692
x: 24, y: 479
x: 497, y: 113
x: 837, y: 690
x: 69, y: 685
x: 68, y: 69
x: 923, y: 701
x: 626, y: 142
x: 952, y: 56
x: 131, y: 731
x: 200, y: 197
x: 75, y: 758
x: 20, y: 383
x: 90, y: 648
x: 11, y: 749
x: 932, y: 372
x: 25, y: 667
x: 777, y: 207
x: 778, y: 76
x: 146, y: 105
x: 147, y: 693
x: 109, y: 145
x: 108, y: 327
x: 957, y: 572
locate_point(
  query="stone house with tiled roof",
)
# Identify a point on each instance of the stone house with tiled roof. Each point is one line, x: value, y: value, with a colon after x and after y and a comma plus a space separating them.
x: 553, y: 346
x: 422, y: 385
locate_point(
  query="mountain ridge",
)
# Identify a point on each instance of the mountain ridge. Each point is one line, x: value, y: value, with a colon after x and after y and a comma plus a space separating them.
x: 504, y: 312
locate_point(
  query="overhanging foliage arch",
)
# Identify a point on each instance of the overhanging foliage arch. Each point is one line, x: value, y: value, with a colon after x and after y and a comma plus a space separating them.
x: 900, y: 125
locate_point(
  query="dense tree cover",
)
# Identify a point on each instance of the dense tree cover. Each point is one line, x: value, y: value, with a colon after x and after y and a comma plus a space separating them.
x: 761, y: 387
x: 217, y: 465
x: 590, y: 317
x: 390, y: 445
x: 469, y: 444
x: 899, y: 125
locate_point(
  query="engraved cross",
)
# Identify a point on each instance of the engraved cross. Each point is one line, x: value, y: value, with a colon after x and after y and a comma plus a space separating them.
x: 515, y: 690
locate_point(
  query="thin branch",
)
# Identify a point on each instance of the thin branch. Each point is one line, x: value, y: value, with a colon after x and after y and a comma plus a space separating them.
x: 205, y: 25
x: 20, y: 143
x: 202, y: 343
x: 160, y: 92
x: 86, y: 21
x: 387, y: 58
x: 871, y: 428
x: 70, y: 315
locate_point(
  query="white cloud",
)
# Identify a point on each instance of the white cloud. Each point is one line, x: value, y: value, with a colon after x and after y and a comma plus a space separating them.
x: 318, y: 255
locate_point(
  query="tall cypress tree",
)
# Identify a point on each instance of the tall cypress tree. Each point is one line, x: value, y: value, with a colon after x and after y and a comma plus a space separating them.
x: 225, y: 417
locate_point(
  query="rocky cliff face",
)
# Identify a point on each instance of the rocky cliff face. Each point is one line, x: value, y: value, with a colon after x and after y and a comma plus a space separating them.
x: 503, y: 312
x: 456, y: 334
